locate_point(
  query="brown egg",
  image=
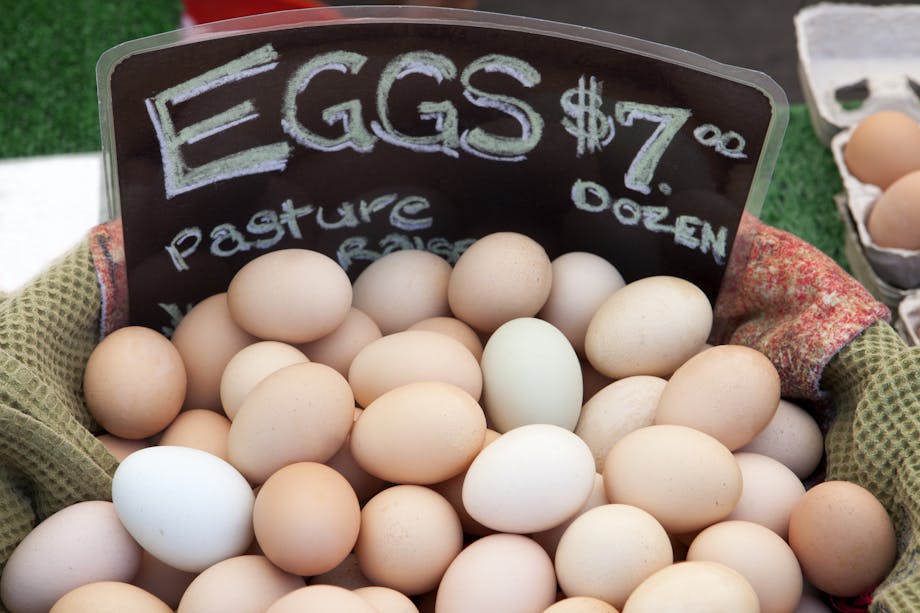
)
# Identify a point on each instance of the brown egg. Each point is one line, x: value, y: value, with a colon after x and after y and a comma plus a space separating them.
x: 500, y: 277
x: 134, y: 383
x: 249, y: 366
x: 121, y: 447
x: 454, y: 328
x: 207, y: 337
x: 694, y: 586
x: 894, y: 219
x: 609, y: 550
x: 409, y: 535
x: 842, y: 537
x: 238, y: 585
x: 290, y: 295
x: 321, y: 598
x: 402, y: 288
x: 759, y: 555
x: 300, y: 413
x: 581, y: 604
x: 769, y: 492
x: 685, y: 478
x: 500, y: 572
x: 549, y: 539
x: 648, y: 327
x: 883, y: 147
x: 306, y: 518
x: 109, y: 597
x: 410, y: 356
x: 581, y: 283
x: 792, y: 437
x: 338, y: 348
x: 82, y: 543
x: 386, y: 600
x: 729, y: 391
x: 201, y: 429
x: 420, y: 433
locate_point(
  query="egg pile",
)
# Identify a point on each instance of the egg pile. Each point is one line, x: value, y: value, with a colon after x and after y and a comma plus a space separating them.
x: 508, y: 434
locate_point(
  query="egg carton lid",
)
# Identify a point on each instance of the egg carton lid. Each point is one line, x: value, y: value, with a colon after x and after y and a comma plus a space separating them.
x: 896, y: 267
x: 870, y: 50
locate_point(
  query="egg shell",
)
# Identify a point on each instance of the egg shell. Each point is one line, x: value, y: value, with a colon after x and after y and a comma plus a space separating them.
x: 883, y: 147
x: 685, y: 478
x: 581, y: 604
x: 894, y: 219
x: 530, y: 375
x: 409, y: 535
x: 199, y: 428
x: 649, y: 327
x: 769, y: 493
x: 300, y: 413
x: 290, y: 295
x: 728, y: 391
x: 530, y: 479
x: 402, y: 288
x: 338, y: 348
x: 249, y: 366
x: 760, y: 555
x: 454, y: 328
x: 306, y: 518
x: 185, y: 506
x: 207, y: 338
x: 810, y: 603
x: 792, y: 437
x: 609, y: 550
x: 500, y: 277
x: 549, y: 539
x: 616, y: 410
x: 134, y: 382
x: 499, y: 573
x: 321, y: 598
x: 409, y: 356
x: 420, y: 433
x: 238, y: 585
x: 82, y: 543
x: 163, y: 581
x: 842, y: 537
x: 694, y: 586
x: 109, y: 597
x: 581, y: 283
x: 386, y: 600
x: 592, y: 381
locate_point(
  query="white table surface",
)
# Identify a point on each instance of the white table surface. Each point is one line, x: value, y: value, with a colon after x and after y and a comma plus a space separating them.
x: 47, y: 204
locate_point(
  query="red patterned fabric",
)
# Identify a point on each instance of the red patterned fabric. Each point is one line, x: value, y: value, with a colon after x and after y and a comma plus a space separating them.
x: 107, y: 247
x: 793, y: 303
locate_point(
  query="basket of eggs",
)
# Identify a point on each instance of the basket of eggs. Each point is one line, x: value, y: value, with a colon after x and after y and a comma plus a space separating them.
x: 510, y: 425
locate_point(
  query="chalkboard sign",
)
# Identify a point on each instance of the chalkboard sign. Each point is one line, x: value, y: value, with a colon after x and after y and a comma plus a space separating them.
x: 361, y: 131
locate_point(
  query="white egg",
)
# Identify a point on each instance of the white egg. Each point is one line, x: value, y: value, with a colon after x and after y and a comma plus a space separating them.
x: 530, y: 375
x: 186, y: 507
x: 529, y: 479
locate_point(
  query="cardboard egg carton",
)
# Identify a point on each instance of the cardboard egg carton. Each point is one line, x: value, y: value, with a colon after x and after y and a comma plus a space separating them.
x: 848, y: 52
x: 856, y: 60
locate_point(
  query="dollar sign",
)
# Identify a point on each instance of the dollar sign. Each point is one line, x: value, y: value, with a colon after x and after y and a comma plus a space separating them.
x: 589, y: 124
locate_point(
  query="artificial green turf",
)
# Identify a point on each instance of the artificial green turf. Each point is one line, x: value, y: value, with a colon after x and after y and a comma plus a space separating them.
x: 48, y: 103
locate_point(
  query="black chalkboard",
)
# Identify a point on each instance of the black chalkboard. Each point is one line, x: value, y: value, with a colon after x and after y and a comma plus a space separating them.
x: 374, y: 130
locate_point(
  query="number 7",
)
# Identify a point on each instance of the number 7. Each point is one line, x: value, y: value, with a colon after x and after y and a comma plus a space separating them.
x: 669, y: 119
